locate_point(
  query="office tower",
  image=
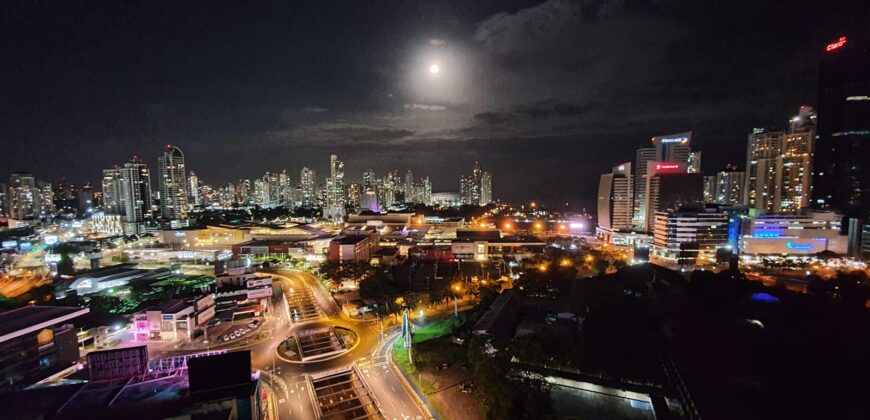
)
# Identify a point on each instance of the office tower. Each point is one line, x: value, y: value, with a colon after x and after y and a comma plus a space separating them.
x: 670, y: 186
x: 615, y: 195
x: 710, y: 189
x: 667, y: 148
x: 409, y: 187
x: 778, y: 166
x: 308, y: 183
x: 112, y: 190
x: 728, y: 187
x: 24, y: 197
x: 485, y: 188
x: 335, y: 198
x: 195, y: 198
x: 173, y: 184
x: 842, y: 159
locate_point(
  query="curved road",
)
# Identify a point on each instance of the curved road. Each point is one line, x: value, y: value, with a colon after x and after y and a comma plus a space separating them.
x: 288, y: 380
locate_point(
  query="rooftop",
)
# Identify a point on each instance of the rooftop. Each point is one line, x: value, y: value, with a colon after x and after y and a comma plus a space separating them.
x: 17, y: 322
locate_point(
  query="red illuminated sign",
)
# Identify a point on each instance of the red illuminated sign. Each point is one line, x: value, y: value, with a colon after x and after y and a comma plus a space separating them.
x: 667, y: 166
x: 835, y: 45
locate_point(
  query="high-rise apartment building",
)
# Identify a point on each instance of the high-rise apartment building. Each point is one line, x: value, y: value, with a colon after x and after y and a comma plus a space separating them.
x: 410, y: 197
x: 113, y: 192
x: 729, y: 187
x: 779, y: 166
x: 471, y: 187
x: 173, y: 184
x: 135, y: 195
x: 195, y: 198
x: 841, y: 179
x: 335, y: 194
x: 308, y: 184
x: 485, y: 188
x: 24, y: 197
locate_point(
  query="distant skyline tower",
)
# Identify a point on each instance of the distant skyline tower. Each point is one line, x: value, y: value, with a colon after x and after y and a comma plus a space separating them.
x: 173, y: 184
x: 308, y: 184
x: 111, y: 184
x: 335, y: 194
x: 193, y: 190
x: 25, y: 200
x: 409, y: 187
x: 485, y: 188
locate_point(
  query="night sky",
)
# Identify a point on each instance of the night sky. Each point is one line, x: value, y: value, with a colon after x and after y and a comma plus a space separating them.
x: 546, y: 95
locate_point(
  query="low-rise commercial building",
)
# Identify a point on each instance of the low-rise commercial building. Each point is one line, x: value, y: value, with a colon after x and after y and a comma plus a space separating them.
x: 354, y: 245
x: 795, y: 234
x: 174, y: 319
x: 689, y: 237
x: 36, y: 342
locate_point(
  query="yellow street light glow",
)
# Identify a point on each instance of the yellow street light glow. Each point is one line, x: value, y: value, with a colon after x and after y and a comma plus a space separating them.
x: 507, y: 225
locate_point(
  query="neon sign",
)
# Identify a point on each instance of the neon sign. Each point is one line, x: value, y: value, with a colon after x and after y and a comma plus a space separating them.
x: 681, y: 139
x: 798, y: 246
x: 667, y: 166
x: 836, y: 45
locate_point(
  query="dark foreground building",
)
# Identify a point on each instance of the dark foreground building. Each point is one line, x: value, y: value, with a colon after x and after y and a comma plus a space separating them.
x: 841, y: 173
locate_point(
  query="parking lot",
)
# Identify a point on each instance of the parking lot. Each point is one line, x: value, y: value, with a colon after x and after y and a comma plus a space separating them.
x: 231, y: 331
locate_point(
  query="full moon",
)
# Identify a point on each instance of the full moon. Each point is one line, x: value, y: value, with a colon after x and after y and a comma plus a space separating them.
x: 434, y: 69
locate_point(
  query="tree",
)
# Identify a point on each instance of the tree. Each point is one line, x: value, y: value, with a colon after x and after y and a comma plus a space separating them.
x: 65, y: 266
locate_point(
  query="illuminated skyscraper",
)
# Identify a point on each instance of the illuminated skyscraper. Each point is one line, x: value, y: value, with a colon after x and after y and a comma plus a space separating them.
x: 675, y: 148
x: 778, y: 166
x: 308, y: 183
x: 112, y: 191
x: 24, y: 196
x: 195, y: 198
x: 485, y: 188
x: 135, y: 195
x: 173, y: 184
x: 335, y: 194
x: 615, y: 197
x: 409, y: 187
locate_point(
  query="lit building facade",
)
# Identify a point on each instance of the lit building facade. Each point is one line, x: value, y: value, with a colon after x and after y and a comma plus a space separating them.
x: 173, y: 184
x: 615, y: 206
x: 689, y: 237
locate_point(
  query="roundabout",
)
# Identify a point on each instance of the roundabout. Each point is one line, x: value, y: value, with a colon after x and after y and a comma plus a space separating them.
x: 317, y: 344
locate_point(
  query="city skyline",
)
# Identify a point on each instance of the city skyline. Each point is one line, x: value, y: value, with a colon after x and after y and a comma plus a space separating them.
x: 380, y: 111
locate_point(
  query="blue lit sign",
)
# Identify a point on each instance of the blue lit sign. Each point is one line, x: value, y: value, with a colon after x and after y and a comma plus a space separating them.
x: 767, y: 234
x: 798, y: 246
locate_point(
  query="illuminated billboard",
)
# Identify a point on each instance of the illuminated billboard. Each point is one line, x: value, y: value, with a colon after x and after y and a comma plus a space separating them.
x: 679, y: 138
x: 654, y: 168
